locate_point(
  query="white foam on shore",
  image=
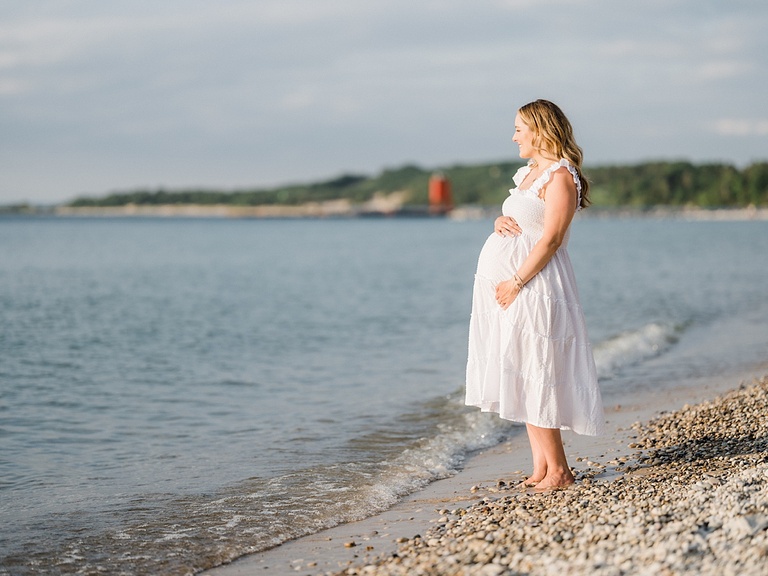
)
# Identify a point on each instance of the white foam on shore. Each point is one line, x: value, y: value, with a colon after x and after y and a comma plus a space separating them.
x: 443, y: 454
x: 633, y: 347
x: 272, y: 511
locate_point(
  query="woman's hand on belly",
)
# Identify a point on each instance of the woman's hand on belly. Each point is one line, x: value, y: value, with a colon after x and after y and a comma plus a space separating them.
x: 506, y: 226
x: 506, y: 292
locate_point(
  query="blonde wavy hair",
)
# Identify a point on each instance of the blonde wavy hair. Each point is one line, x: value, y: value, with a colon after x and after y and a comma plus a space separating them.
x: 553, y: 133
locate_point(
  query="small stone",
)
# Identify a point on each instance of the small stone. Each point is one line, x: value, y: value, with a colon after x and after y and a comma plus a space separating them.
x: 350, y: 544
x: 491, y: 570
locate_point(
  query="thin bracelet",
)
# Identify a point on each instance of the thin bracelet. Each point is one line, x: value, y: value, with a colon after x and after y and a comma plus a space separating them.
x: 519, y: 281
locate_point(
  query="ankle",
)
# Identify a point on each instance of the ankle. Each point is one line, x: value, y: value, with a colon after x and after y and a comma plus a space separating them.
x: 560, y: 474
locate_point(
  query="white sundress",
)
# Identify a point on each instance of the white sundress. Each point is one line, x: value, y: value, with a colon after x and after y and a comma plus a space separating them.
x: 533, y: 362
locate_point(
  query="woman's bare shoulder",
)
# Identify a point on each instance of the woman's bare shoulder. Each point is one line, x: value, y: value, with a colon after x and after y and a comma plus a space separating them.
x: 561, y: 178
x: 562, y: 173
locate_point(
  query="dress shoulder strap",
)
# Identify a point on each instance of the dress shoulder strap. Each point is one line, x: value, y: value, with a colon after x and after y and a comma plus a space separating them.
x: 547, y: 174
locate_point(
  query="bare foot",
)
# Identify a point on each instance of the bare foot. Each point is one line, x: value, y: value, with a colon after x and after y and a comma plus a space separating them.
x: 533, y: 479
x: 555, y: 481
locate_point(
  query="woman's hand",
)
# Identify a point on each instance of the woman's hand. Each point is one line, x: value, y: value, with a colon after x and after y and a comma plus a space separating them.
x: 506, y: 226
x: 506, y: 292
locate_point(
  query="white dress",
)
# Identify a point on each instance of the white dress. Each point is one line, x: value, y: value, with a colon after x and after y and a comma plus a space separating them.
x: 533, y: 361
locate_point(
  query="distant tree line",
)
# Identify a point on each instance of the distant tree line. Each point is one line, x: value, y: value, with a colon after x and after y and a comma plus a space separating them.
x: 641, y: 185
x: 679, y: 184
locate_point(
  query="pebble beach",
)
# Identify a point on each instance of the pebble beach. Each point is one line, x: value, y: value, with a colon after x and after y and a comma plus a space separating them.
x: 691, y: 497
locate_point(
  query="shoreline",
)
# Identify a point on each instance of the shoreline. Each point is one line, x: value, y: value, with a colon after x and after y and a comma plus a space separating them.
x: 368, y: 546
x: 377, y: 208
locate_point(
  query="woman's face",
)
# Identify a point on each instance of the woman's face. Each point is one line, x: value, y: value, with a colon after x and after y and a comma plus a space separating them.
x: 523, y: 137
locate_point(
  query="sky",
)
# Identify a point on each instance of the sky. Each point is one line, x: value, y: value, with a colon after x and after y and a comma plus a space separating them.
x: 100, y: 96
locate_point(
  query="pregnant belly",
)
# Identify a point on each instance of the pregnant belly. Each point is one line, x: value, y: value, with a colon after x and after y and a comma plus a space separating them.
x: 501, y: 256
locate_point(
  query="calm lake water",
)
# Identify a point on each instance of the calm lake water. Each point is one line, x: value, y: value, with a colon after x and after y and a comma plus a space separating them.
x: 176, y: 393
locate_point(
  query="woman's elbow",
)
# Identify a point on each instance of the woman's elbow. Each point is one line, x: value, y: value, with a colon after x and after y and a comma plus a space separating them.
x: 554, y: 242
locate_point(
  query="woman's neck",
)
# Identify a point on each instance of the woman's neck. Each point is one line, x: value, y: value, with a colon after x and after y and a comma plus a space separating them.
x: 542, y: 159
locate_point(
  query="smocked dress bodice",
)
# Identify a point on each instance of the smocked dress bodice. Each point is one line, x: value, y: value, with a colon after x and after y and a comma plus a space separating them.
x: 526, y: 205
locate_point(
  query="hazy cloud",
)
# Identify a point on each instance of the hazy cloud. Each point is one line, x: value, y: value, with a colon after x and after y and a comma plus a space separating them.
x: 741, y: 127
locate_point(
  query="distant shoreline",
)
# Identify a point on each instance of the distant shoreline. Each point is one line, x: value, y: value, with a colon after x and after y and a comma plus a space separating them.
x: 345, y: 209
x: 406, y: 190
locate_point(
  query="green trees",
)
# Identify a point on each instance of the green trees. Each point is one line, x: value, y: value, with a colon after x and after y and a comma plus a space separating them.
x: 678, y: 184
x: 640, y: 186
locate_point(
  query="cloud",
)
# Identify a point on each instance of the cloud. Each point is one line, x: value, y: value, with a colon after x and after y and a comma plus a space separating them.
x: 723, y: 69
x: 299, y: 99
x: 12, y: 87
x: 741, y: 127
x: 116, y: 94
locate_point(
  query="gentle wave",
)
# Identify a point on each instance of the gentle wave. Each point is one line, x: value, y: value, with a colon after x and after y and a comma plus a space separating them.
x: 194, y: 532
x: 634, y: 346
x: 341, y: 493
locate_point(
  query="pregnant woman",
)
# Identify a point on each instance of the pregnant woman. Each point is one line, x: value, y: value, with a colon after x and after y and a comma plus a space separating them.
x: 530, y: 359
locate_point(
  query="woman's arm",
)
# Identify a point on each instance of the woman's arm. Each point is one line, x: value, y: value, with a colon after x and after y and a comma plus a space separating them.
x: 559, y: 208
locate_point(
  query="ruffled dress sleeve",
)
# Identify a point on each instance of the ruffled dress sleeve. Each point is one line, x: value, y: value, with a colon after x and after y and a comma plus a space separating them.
x: 542, y: 180
x: 563, y: 163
